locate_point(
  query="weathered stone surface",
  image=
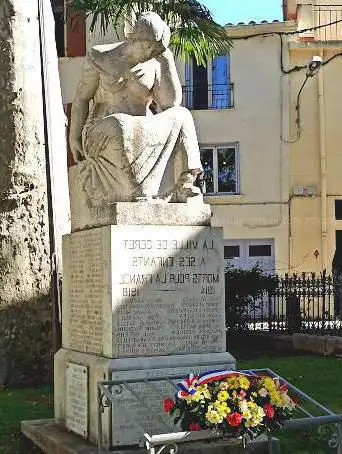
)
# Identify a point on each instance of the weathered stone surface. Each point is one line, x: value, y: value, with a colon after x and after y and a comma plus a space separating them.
x: 309, y: 342
x: 125, y: 153
x: 84, y: 216
x: 24, y: 232
x: 54, y: 439
x: 77, y: 401
x: 144, y: 290
x: 333, y: 345
x: 100, y: 368
x: 127, y: 409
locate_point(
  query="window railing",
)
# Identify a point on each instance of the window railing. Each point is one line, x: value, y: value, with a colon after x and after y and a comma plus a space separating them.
x: 328, y: 14
x: 202, y: 97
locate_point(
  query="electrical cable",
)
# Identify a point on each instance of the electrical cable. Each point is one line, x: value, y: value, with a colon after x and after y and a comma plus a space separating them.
x: 296, y: 68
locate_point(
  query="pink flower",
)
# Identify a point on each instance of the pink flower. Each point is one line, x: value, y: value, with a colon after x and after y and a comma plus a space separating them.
x: 234, y: 419
x: 242, y: 394
x: 194, y: 427
x: 168, y: 405
x: 269, y: 411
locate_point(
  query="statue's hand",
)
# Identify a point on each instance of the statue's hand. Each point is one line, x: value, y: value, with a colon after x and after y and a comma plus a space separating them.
x: 77, y: 150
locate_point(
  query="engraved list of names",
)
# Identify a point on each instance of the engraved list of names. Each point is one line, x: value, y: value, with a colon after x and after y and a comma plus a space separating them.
x: 167, y: 291
x: 86, y: 290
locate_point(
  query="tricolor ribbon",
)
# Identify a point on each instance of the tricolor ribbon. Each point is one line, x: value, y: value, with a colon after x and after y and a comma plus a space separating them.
x: 188, y: 386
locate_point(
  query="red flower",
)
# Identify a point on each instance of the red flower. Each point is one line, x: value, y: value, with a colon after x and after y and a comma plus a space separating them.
x: 295, y: 399
x: 234, y: 419
x: 194, y: 427
x: 284, y: 388
x: 168, y: 405
x: 269, y: 411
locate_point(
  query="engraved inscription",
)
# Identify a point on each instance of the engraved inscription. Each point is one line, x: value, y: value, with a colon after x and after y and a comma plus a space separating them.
x: 77, y: 399
x: 86, y: 291
x: 168, y: 295
x: 150, y: 415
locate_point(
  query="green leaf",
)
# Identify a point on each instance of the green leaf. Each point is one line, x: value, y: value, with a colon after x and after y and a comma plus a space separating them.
x: 195, y: 34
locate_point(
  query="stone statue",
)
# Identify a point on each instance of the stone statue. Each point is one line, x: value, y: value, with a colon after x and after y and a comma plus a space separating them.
x: 123, y: 150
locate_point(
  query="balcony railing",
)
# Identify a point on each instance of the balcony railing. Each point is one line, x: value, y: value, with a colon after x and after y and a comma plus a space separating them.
x: 202, y: 97
x: 328, y: 14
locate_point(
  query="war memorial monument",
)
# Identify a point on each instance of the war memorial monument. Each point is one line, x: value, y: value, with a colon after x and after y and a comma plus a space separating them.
x: 143, y: 273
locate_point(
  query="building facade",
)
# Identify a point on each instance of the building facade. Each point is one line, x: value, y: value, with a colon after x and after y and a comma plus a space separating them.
x: 315, y: 135
x: 238, y: 103
x: 269, y: 135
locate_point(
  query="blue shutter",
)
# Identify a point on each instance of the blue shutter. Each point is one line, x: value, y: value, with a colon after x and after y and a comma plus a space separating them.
x: 220, y: 82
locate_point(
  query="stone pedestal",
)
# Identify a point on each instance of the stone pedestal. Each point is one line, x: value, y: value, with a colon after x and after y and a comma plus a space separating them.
x: 139, y: 301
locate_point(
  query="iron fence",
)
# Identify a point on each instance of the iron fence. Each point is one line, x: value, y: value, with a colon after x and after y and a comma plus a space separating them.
x: 331, y: 17
x: 205, y: 96
x: 307, y: 303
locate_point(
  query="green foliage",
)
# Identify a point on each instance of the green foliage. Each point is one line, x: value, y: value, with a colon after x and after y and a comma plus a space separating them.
x: 18, y: 405
x: 194, y: 31
x: 243, y: 288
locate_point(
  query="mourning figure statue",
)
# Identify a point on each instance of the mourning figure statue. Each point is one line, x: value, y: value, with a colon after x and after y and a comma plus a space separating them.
x: 123, y: 150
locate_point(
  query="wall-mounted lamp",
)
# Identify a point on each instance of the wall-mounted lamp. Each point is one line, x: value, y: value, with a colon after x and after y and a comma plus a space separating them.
x: 312, y: 69
x: 314, y: 66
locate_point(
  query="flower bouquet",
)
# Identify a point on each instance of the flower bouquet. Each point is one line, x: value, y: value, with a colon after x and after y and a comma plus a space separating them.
x: 233, y: 404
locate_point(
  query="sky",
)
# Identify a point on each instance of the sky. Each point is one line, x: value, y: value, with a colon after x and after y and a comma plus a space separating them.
x: 233, y: 11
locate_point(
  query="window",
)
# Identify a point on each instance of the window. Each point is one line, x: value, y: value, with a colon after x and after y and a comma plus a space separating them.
x: 260, y: 250
x: 220, y: 169
x: 338, y: 210
x: 208, y: 87
x: 231, y: 252
x: 247, y: 253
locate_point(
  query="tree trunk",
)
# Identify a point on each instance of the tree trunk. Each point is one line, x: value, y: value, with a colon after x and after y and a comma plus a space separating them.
x: 25, y: 293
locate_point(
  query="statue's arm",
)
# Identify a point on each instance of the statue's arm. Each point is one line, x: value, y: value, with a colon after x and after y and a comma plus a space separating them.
x: 85, y: 91
x: 167, y: 91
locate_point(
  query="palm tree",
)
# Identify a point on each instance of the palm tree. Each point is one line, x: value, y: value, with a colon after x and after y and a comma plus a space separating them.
x: 194, y: 31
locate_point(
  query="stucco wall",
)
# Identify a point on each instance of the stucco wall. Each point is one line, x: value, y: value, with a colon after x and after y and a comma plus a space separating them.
x: 305, y: 156
x: 256, y: 123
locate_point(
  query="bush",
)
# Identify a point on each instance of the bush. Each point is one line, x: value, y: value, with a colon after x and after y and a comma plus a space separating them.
x: 245, y: 289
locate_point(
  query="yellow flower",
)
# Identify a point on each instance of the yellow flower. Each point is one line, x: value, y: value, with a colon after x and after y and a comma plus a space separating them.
x: 254, y: 415
x: 269, y: 383
x: 213, y: 416
x: 243, y: 405
x: 238, y: 381
x: 223, y: 386
x: 276, y: 398
x: 221, y: 408
x: 222, y: 396
x: 202, y: 392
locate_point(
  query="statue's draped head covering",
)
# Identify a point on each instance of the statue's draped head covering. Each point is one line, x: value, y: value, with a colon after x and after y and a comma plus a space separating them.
x: 150, y: 27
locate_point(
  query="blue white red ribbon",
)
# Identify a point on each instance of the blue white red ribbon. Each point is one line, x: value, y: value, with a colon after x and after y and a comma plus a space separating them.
x: 188, y: 385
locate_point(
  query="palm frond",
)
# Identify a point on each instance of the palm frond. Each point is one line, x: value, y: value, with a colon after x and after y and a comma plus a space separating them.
x: 194, y: 31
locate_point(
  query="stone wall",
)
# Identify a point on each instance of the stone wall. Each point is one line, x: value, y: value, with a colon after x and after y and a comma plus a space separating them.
x: 25, y: 296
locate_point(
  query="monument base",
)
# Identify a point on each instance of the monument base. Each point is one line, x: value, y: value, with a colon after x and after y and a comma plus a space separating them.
x: 52, y: 438
x: 85, y: 216
x: 77, y: 396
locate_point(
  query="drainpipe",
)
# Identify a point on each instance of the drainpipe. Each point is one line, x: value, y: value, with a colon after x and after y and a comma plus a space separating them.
x: 323, y: 162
